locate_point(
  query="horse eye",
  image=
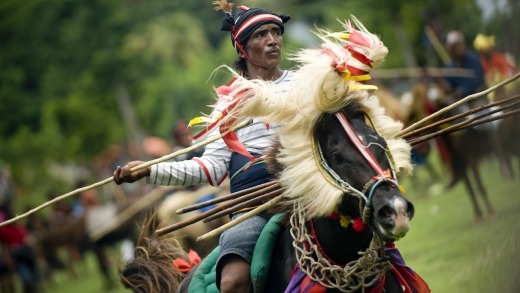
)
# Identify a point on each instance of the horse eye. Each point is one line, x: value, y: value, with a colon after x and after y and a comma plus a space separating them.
x: 338, y: 159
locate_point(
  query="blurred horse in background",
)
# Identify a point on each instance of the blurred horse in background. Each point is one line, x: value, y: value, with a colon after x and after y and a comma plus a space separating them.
x: 63, y: 241
x: 462, y: 151
x: 166, y: 212
x: 408, y: 109
x: 509, y: 129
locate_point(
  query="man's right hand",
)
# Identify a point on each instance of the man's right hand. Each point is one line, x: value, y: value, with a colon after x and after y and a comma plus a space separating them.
x: 123, y: 174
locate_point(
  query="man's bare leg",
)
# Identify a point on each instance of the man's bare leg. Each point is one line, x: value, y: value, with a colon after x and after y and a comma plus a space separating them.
x: 235, y: 275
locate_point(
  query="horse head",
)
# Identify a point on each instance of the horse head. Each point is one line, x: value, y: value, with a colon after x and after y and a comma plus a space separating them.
x: 357, y: 159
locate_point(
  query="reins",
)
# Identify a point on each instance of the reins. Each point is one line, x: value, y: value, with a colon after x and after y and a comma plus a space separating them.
x: 361, y: 273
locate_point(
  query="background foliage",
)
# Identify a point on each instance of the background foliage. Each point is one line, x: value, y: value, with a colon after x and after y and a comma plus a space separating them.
x: 77, y: 76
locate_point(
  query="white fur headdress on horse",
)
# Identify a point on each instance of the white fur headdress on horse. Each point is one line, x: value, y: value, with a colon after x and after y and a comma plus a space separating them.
x: 326, y: 80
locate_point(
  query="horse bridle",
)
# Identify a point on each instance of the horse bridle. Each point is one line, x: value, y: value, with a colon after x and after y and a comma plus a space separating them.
x: 309, y: 254
x: 387, y: 176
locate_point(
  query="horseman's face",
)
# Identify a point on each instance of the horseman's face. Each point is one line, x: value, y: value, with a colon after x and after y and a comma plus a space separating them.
x: 456, y: 50
x: 264, y: 47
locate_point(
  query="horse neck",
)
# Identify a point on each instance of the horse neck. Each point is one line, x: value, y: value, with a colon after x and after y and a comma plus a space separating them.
x: 340, y: 244
x: 283, y: 262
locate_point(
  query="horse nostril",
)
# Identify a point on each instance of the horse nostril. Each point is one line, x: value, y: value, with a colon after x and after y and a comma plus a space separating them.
x: 385, y: 214
x: 410, y: 210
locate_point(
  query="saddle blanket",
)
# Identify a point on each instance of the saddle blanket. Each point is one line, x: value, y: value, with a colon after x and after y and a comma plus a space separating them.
x: 204, y: 278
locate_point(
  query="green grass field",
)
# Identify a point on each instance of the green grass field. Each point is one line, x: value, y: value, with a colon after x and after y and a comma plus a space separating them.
x: 445, y: 246
x: 452, y: 252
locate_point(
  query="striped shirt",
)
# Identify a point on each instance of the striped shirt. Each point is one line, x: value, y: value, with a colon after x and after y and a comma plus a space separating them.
x: 212, y: 167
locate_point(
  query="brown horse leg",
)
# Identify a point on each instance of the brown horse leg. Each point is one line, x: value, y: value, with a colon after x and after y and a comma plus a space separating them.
x: 483, y: 192
x: 7, y: 283
x: 506, y: 169
x: 476, y: 208
x: 104, y: 265
x: 73, y: 258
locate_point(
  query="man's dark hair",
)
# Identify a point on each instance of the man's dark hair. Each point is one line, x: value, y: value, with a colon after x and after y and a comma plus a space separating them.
x: 240, y: 65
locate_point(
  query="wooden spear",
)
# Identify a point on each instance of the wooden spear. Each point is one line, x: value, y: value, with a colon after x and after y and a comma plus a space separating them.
x: 223, y: 198
x: 244, y: 204
x: 240, y: 219
x: 134, y: 169
x: 513, y: 101
x: 456, y: 104
x: 199, y: 217
x: 239, y: 198
x: 462, y: 125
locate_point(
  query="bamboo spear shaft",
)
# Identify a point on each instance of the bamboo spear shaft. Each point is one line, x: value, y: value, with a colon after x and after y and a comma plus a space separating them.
x: 260, y: 209
x: 462, y: 125
x: 226, y: 197
x: 421, y: 72
x: 240, y: 219
x: 206, y: 214
x: 513, y: 101
x: 456, y: 104
x: 437, y: 44
x: 134, y: 169
x: 244, y: 204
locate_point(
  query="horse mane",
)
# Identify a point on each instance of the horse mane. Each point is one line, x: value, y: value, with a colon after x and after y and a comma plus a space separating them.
x: 151, y: 267
x: 320, y: 85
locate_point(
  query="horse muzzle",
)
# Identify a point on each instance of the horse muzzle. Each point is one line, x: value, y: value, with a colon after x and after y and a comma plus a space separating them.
x: 392, y: 219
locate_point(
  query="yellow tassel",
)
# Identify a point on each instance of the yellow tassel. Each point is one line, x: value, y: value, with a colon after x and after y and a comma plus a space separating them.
x: 347, y: 75
x: 340, y: 35
x: 344, y: 221
x: 362, y: 87
x: 402, y: 189
x: 361, y: 77
x: 203, y: 119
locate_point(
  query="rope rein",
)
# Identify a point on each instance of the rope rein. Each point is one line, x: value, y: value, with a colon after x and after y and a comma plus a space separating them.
x: 355, y: 275
x: 329, y: 172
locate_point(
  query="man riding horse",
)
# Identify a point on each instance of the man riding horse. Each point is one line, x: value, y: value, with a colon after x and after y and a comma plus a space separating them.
x: 256, y: 35
x: 345, y: 69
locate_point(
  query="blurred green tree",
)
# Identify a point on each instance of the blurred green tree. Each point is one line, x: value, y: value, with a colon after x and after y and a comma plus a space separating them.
x: 78, y: 76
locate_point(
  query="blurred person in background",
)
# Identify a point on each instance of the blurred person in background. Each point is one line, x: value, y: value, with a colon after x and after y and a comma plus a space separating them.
x: 14, y: 244
x: 182, y: 139
x: 458, y: 87
x: 497, y: 66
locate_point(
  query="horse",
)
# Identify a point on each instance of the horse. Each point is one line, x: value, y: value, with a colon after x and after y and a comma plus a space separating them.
x: 166, y: 213
x: 72, y: 234
x: 337, y: 160
x: 341, y: 245
x: 508, y: 130
x: 509, y: 127
x: 462, y: 151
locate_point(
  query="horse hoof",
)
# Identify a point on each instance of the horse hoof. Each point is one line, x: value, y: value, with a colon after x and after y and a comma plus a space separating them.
x: 478, y: 219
